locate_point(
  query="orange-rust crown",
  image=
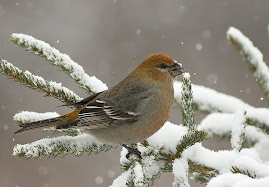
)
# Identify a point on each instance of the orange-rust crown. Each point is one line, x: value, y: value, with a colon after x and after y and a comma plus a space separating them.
x: 160, y: 57
x: 156, y: 59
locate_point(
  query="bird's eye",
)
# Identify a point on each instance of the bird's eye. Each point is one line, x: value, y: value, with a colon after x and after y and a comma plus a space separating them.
x: 163, y: 66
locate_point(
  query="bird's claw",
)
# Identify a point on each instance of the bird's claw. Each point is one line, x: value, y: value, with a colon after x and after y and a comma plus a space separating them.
x: 132, y: 151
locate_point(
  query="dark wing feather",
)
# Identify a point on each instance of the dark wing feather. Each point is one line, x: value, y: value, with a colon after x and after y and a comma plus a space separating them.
x: 101, y: 115
x: 84, y: 101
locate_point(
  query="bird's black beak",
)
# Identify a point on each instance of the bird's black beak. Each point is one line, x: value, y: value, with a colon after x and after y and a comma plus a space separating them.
x: 177, y: 69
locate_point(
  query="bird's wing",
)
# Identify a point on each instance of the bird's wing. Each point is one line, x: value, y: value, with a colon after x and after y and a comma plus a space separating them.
x: 100, y: 114
x: 107, y: 109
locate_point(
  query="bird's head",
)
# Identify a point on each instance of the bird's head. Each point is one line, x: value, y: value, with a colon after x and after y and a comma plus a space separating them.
x: 160, y: 67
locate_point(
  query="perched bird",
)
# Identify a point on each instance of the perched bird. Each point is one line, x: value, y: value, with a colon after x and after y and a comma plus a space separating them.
x: 130, y: 112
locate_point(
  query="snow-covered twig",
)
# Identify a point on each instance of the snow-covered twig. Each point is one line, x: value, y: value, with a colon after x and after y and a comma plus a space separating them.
x: 221, y: 124
x: 38, y: 83
x: 252, y: 56
x: 209, y: 100
x: 237, y: 180
x: 75, y: 71
x: 224, y: 161
x: 187, y: 103
x: 142, y: 172
x: 201, y: 173
x: 238, y: 132
x: 63, y: 145
x: 26, y: 116
x: 180, y: 171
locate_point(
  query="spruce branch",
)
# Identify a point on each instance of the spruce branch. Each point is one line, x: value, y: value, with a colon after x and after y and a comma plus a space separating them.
x: 251, y: 167
x: 150, y: 166
x: 180, y: 171
x: 63, y: 145
x: 252, y: 56
x: 238, y: 132
x: 190, y: 139
x: 244, y: 172
x: 207, y: 100
x: 27, y: 117
x: 220, y: 125
x: 187, y: 103
x: 201, y: 172
x: 136, y: 177
x: 68, y: 132
x: 29, y: 80
x: 75, y: 71
x: 264, y: 127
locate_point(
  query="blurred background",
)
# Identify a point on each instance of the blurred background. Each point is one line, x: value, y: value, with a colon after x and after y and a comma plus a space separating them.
x: 109, y: 39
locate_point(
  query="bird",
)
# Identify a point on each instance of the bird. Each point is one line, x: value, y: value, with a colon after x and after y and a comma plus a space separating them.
x: 129, y: 112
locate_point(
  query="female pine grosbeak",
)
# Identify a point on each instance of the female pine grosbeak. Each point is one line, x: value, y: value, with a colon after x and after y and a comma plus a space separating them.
x: 129, y: 112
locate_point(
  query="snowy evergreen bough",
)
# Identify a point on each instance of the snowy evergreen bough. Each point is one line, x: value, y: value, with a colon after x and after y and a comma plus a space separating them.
x: 174, y: 148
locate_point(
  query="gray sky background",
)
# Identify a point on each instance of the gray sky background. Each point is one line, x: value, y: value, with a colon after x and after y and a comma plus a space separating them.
x: 109, y: 39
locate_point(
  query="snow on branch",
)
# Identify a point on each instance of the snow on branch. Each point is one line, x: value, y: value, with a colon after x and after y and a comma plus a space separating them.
x: 238, y: 132
x: 254, y: 168
x: 224, y: 161
x: 220, y: 125
x: 29, y: 80
x: 26, y: 116
x: 180, y: 171
x: 237, y: 180
x: 141, y: 172
x: 209, y: 100
x: 63, y: 145
x: 187, y: 103
x: 75, y: 71
x: 252, y: 56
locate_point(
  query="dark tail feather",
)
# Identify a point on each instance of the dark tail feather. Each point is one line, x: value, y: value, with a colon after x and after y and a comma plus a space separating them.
x: 53, y: 122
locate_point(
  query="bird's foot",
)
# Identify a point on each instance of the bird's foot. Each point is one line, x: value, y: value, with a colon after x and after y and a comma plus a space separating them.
x: 132, y: 150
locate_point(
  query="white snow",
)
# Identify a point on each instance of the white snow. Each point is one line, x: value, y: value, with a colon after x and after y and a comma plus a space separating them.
x: 74, y: 144
x: 187, y: 76
x: 180, y: 171
x: 62, y: 60
x: 222, y: 123
x: 238, y: 131
x: 262, y: 114
x: 120, y: 181
x: 26, y: 116
x: 138, y: 175
x: 254, y: 166
x: 168, y: 136
x: 262, y: 147
x: 221, y: 160
x: 210, y: 100
x: 237, y: 180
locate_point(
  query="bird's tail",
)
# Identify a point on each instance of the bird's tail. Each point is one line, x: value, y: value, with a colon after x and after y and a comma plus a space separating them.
x: 64, y: 121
